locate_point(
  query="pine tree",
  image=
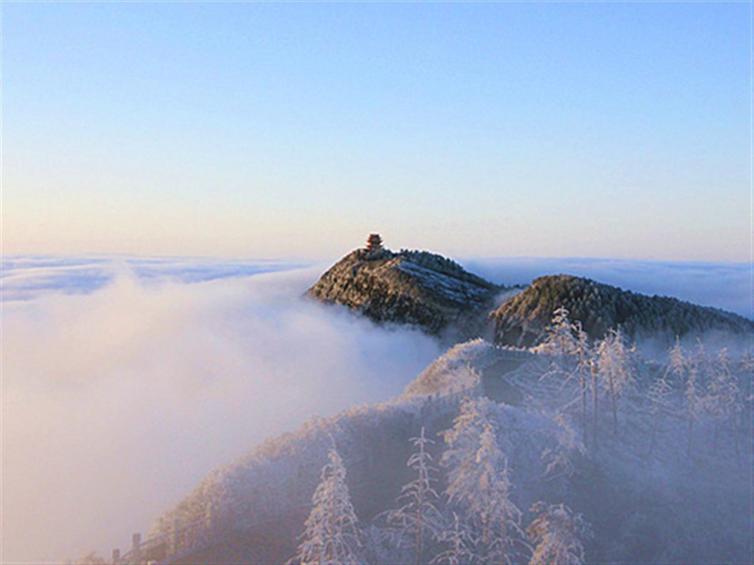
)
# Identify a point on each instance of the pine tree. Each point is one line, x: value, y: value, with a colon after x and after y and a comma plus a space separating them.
x: 560, y: 458
x: 559, y: 338
x: 614, y: 368
x: 479, y: 484
x: 418, y: 516
x: 677, y: 363
x: 583, y: 367
x: 561, y: 342
x: 558, y: 535
x: 594, y: 371
x: 459, y: 544
x: 331, y: 535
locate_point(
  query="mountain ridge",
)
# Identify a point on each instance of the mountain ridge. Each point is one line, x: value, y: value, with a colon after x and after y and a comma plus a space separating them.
x: 599, y: 307
x: 408, y: 287
x: 436, y: 294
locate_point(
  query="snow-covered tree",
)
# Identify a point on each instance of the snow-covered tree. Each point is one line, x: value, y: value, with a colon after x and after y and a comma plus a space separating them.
x: 677, y: 364
x: 561, y: 343
x: 594, y: 372
x: 331, y: 534
x: 558, y: 535
x: 473, y: 415
x: 418, y: 518
x: 559, y: 459
x: 615, y: 369
x: 459, y: 543
x: 560, y: 338
x: 583, y: 367
x: 479, y: 484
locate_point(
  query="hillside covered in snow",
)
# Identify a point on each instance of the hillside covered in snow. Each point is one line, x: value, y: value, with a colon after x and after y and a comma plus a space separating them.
x: 576, y: 451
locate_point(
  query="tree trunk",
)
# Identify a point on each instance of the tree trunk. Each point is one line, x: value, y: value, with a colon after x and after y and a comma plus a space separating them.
x: 613, y: 403
x: 419, y: 531
x: 582, y: 383
x: 595, y: 403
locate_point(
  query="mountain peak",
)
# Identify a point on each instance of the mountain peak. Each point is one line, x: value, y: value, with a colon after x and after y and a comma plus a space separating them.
x: 598, y: 307
x: 408, y: 287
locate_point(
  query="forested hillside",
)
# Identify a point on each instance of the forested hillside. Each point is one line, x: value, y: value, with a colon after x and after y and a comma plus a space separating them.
x: 576, y: 451
x: 409, y: 287
x: 599, y: 307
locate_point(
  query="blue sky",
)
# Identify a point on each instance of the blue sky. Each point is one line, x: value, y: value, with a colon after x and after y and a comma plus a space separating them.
x: 291, y: 130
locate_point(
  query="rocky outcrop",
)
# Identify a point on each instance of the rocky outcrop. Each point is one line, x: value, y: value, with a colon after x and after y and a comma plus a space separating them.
x: 409, y: 287
x: 522, y: 320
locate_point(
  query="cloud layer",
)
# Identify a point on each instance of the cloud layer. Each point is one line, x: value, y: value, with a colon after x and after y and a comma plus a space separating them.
x: 118, y: 401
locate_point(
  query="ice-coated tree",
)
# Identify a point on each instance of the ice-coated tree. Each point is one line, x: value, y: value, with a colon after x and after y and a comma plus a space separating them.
x: 559, y: 459
x: 614, y: 369
x: 584, y: 357
x: 594, y: 372
x: 331, y: 533
x: 418, y: 519
x: 473, y: 415
x: 659, y: 396
x: 560, y: 338
x: 479, y: 485
x: 677, y: 363
x: 723, y: 399
x: 459, y: 544
x: 558, y: 535
x: 561, y: 343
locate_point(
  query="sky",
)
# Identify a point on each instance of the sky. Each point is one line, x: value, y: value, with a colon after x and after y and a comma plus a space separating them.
x: 292, y: 130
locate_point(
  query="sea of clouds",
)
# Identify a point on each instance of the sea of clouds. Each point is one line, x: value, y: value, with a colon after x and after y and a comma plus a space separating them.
x: 125, y: 380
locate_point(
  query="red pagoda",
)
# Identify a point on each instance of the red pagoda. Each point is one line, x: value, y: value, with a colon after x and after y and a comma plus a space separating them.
x: 374, y: 243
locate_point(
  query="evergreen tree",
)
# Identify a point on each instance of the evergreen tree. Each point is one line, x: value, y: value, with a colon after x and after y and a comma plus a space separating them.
x: 560, y: 458
x: 561, y: 343
x: 418, y: 517
x: 479, y: 484
x: 614, y: 368
x: 584, y: 356
x: 560, y: 336
x: 558, y: 535
x: 677, y: 363
x: 331, y: 535
x: 459, y: 542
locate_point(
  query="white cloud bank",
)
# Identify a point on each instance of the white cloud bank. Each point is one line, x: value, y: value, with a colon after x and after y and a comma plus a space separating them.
x: 116, y: 402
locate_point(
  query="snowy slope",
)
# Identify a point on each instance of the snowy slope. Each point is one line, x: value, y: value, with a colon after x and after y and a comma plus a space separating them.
x: 645, y: 505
